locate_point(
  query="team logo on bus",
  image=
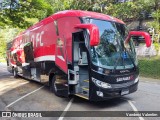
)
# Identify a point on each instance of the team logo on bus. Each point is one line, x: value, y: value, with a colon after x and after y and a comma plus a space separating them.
x: 123, y: 79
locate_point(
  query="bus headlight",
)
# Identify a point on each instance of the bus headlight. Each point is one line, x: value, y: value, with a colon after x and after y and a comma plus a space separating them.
x: 101, y: 84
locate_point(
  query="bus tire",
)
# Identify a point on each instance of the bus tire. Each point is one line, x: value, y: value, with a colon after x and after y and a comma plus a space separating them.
x: 52, y: 85
x: 15, y: 75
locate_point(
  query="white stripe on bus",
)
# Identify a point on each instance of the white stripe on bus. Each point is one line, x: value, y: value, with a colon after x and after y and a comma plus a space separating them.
x: 45, y: 58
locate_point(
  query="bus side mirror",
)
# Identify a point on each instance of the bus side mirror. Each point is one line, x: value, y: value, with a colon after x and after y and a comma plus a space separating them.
x: 94, y: 33
x: 140, y: 33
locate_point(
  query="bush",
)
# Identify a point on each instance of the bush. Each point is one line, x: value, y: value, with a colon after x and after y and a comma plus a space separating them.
x: 150, y: 67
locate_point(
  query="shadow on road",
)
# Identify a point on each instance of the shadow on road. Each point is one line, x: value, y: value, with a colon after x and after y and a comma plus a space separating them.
x: 100, y: 104
x: 45, y: 96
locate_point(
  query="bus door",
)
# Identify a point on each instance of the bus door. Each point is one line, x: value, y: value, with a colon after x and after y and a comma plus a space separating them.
x: 80, y: 62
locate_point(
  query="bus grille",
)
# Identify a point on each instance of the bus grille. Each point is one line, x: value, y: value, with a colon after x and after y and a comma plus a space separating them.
x: 122, y: 84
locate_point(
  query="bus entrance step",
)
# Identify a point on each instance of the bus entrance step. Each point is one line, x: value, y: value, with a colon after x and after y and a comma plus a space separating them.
x: 85, y: 88
x: 86, y: 81
x: 82, y: 96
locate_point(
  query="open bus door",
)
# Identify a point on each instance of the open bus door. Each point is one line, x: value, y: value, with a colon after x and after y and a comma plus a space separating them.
x: 28, y: 52
x: 80, y: 65
x: 28, y: 72
x: 8, y: 59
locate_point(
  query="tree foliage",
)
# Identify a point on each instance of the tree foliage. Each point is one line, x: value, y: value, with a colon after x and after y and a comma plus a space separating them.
x: 19, y: 12
x: 6, y: 35
x: 16, y: 12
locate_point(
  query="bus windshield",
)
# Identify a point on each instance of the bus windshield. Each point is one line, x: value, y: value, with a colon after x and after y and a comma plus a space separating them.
x: 112, y: 52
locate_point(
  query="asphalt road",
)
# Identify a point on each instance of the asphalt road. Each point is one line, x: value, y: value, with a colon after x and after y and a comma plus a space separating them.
x: 24, y: 95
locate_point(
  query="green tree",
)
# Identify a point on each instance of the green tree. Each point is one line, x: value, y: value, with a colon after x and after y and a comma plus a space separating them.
x: 124, y: 11
x: 6, y: 35
x: 3, y: 47
x: 15, y: 13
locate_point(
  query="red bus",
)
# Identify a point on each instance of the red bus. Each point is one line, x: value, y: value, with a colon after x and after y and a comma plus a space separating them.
x: 87, y: 54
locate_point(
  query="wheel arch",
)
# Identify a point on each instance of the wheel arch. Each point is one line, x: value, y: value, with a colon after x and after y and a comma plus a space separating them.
x: 52, y: 72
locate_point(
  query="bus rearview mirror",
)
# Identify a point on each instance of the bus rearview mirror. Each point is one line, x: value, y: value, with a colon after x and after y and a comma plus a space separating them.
x: 93, y: 31
x: 140, y: 33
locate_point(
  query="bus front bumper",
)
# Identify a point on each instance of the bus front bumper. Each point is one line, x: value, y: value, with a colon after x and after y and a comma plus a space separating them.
x: 99, y: 94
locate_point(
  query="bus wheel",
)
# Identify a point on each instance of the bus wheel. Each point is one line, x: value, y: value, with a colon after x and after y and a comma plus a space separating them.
x: 52, y: 85
x: 15, y: 75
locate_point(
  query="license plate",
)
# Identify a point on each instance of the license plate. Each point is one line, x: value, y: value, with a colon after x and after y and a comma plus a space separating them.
x: 124, y: 92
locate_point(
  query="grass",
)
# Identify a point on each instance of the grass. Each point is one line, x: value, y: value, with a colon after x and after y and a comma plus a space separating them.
x: 150, y: 67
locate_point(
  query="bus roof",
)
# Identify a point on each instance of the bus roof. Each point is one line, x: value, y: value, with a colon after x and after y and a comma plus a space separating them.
x: 80, y: 13
x: 73, y: 13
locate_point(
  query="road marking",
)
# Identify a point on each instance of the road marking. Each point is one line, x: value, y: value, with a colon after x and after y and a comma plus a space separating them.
x: 134, y: 108
x: 66, y: 109
x: 24, y: 97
